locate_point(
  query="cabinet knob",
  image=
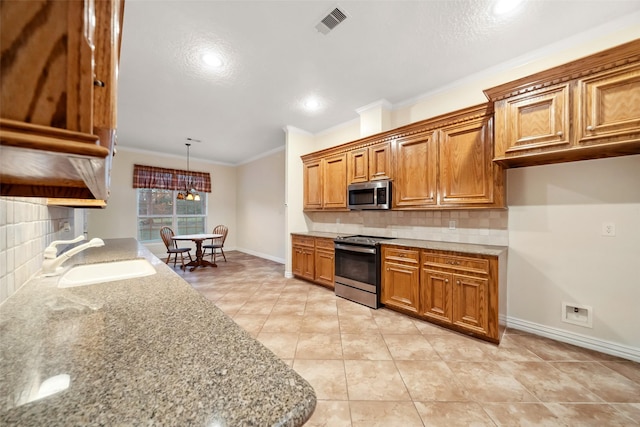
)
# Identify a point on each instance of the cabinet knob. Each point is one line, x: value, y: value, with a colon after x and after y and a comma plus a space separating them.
x: 559, y: 133
x: 98, y: 83
x: 590, y: 127
x: 457, y: 282
x: 446, y: 280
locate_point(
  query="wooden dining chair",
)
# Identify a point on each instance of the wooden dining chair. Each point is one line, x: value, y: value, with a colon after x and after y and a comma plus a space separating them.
x: 172, y: 248
x: 217, y: 243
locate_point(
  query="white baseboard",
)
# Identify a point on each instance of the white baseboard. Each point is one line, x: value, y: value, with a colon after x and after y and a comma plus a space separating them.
x: 261, y: 255
x: 607, y: 347
x: 288, y: 275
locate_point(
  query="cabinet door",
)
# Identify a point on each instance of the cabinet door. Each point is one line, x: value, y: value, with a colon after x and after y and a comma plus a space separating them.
x: 308, y: 263
x: 47, y: 75
x: 533, y: 122
x: 312, y: 182
x: 436, y: 295
x: 468, y: 175
x: 324, y: 267
x: 358, y: 165
x: 415, y: 171
x: 470, y: 303
x: 609, y: 106
x: 400, y: 286
x: 297, y: 260
x: 380, y: 161
x: 334, y: 195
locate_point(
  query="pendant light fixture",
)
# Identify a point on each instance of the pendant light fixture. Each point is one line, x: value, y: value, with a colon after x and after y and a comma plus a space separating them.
x: 189, y: 193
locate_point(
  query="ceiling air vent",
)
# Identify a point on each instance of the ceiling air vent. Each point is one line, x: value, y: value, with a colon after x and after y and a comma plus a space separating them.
x: 330, y: 21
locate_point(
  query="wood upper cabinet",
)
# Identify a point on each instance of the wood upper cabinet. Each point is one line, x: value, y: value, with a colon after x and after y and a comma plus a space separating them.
x: 334, y: 193
x: 533, y: 122
x: 609, y: 106
x: 369, y: 163
x: 58, y: 97
x: 415, y: 171
x: 467, y: 174
x: 586, y: 109
x: 400, y: 276
x: 312, y: 181
x: 325, y: 183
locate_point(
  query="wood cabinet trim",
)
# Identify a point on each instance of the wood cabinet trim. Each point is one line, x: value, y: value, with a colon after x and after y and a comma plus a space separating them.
x: 605, y: 60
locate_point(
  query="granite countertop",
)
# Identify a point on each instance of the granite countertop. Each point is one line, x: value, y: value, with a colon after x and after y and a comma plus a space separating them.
x: 144, y: 351
x: 467, y: 248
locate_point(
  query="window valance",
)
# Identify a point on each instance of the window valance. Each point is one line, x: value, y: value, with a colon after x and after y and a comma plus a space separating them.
x: 170, y: 179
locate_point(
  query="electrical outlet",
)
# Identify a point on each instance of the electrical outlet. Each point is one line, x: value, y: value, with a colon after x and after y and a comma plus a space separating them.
x: 608, y: 229
x: 577, y: 314
x: 452, y: 224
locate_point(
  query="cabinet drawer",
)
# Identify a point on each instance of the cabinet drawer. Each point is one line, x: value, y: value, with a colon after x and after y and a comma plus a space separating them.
x: 303, y: 240
x: 401, y: 255
x: 474, y: 265
x: 322, y: 243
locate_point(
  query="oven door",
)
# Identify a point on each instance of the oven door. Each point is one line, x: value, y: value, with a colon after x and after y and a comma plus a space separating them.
x: 356, y: 266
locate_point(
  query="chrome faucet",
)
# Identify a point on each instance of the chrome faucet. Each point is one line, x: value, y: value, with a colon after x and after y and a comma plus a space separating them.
x: 52, y: 265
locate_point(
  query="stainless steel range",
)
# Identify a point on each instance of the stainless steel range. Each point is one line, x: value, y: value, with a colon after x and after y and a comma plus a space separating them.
x: 357, y: 269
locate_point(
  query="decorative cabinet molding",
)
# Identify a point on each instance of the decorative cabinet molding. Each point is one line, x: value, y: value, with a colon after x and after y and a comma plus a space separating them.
x: 464, y: 292
x: 586, y: 109
x: 313, y: 259
x: 58, y: 98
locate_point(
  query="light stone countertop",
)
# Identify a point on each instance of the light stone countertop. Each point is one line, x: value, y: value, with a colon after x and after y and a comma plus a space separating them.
x: 468, y: 248
x: 144, y: 351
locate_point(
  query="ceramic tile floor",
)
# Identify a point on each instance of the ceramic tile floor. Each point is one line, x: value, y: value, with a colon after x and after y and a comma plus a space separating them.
x: 380, y: 368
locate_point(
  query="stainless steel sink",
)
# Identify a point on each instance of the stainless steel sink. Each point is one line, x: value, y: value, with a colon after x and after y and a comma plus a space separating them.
x: 90, y: 274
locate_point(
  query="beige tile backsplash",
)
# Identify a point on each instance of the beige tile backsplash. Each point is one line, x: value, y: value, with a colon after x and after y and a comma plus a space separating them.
x: 487, y: 227
x: 27, y: 226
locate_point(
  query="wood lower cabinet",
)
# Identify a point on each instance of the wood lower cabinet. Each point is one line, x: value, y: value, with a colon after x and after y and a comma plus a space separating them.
x: 586, y: 109
x: 324, y: 262
x: 313, y: 259
x: 400, y: 278
x: 464, y: 292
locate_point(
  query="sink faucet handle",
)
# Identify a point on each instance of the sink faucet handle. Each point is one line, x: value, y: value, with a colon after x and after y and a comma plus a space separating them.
x: 50, y: 252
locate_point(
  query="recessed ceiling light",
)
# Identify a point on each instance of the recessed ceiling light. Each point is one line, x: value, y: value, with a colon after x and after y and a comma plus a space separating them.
x: 212, y: 60
x: 503, y: 7
x: 311, y: 104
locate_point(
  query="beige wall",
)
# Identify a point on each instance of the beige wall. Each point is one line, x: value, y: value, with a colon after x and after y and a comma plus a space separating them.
x: 27, y: 226
x: 554, y: 219
x: 260, y: 207
x: 118, y: 219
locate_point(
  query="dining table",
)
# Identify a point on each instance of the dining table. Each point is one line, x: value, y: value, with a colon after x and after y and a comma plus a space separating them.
x: 198, y: 239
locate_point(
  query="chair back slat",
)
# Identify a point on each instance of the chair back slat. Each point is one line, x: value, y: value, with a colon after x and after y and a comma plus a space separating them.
x: 167, y: 233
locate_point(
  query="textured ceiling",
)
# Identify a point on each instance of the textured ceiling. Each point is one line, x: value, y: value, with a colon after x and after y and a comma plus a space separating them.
x: 274, y: 58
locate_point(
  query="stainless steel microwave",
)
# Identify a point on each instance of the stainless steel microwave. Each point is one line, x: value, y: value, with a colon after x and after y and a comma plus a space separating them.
x: 369, y: 195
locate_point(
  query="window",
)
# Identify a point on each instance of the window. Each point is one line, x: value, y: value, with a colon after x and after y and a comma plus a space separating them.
x: 158, y: 208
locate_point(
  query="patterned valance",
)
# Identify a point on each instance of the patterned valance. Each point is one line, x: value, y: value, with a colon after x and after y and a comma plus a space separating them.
x: 170, y: 179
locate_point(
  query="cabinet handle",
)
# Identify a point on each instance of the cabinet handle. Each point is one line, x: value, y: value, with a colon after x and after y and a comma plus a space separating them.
x: 559, y: 133
x: 590, y: 127
x: 98, y: 83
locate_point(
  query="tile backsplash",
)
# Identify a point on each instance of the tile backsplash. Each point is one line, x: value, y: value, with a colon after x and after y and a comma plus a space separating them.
x: 487, y: 227
x: 27, y: 226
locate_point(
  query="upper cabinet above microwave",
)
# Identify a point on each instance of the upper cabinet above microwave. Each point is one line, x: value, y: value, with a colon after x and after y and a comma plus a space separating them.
x: 586, y: 109
x: 58, y: 97
x: 372, y: 163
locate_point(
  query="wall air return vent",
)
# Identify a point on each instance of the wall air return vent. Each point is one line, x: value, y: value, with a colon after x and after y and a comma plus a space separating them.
x: 330, y: 21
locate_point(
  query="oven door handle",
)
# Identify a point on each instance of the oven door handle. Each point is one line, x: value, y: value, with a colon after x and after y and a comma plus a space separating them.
x: 355, y: 248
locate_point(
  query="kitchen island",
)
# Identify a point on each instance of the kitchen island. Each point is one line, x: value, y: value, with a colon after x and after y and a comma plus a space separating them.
x: 143, y: 351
